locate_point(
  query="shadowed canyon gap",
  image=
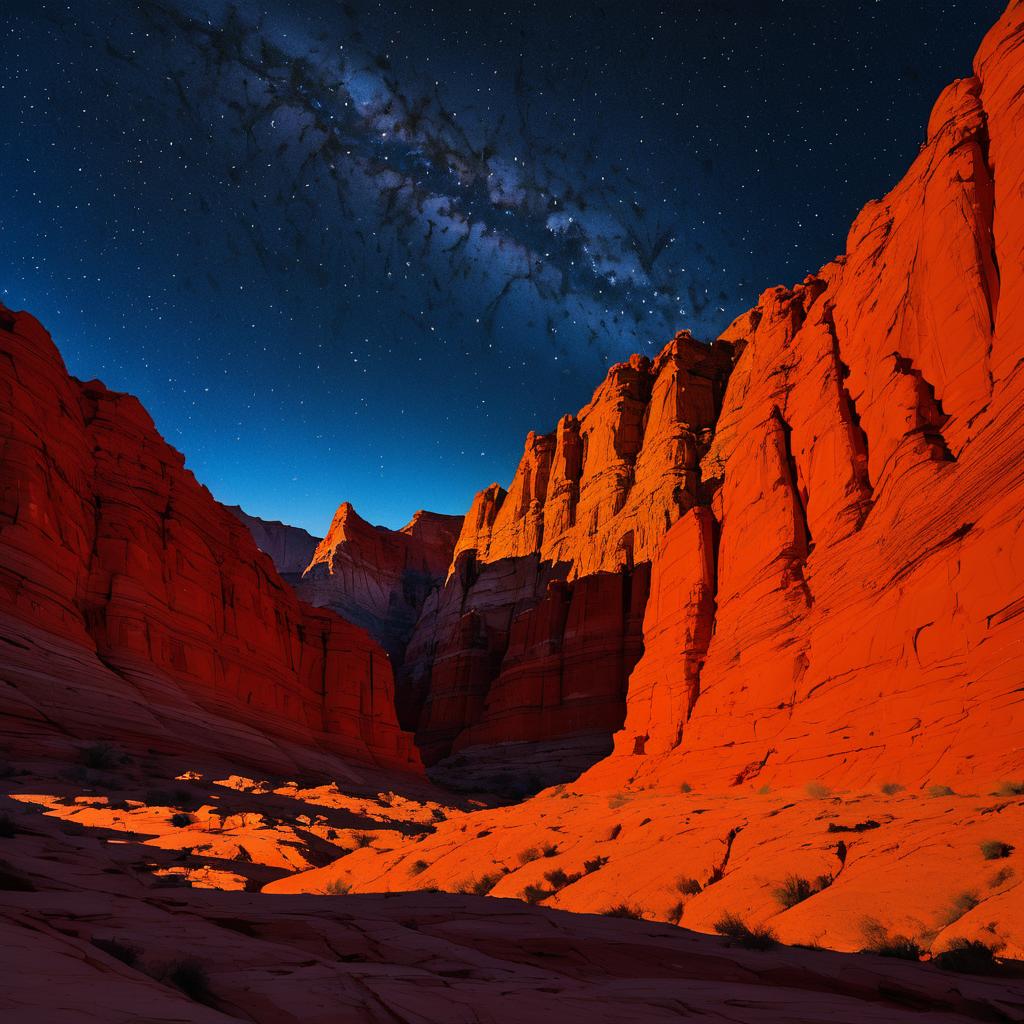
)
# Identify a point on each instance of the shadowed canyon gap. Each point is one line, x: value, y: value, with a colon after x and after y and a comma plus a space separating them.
x: 784, y: 570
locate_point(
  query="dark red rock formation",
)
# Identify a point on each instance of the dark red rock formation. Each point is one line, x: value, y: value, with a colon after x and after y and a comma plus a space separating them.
x: 107, y: 540
x: 290, y: 547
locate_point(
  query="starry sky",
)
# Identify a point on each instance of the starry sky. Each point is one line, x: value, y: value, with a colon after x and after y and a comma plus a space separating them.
x: 356, y: 250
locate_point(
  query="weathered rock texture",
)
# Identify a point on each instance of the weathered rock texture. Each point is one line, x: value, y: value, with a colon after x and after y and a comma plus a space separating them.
x: 379, y: 578
x: 539, y: 624
x: 107, y: 541
x: 290, y: 548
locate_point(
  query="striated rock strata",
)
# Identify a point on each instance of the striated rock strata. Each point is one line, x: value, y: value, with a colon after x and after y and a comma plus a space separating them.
x: 290, y: 548
x: 107, y: 542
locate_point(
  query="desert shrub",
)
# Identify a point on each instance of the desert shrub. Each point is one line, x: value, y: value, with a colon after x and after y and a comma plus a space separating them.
x: 181, y: 797
x: 614, y: 832
x: 687, y: 886
x: 418, y: 867
x: 1001, y: 876
x: 118, y: 950
x: 101, y: 756
x: 616, y: 800
x: 337, y: 887
x: 362, y: 840
x: 685, y: 787
x: 881, y: 943
x: 560, y: 879
x: 182, y: 819
x: 531, y: 853
x: 960, y: 905
x: 818, y: 790
x: 937, y: 791
x: 8, y: 830
x: 549, y: 850
x: 992, y: 849
x: 536, y: 894
x: 860, y: 826
x: 191, y: 977
x: 967, y: 956
x: 793, y: 890
x: 590, y: 866
x: 732, y: 926
x: 1010, y: 789
x: 764, y: 790
x: 891, y: 788
x: 479, y: 886
x: 624, y: 910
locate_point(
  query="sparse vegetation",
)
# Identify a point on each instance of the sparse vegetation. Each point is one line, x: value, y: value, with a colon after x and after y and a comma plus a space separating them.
x: 479, y: 886
x: 617, y: 800
x: 688, y: 886
x: 675, y: 914
x: 101, y: 756
x: 685, y: 787
x: 881, y: 943
x: 362, y: 840
x: 793, y: 890
x: 937, y: 791
x: 891, y: 788
x: 764, y: 790
x: 191, y: 977
x: 992, y: 849
x: 624, y: 910
x: 962, y: 904
x: 118, y: 950
x: 181, y: 819
x: 1010, y: 789
x: 536, y: 894
x: 559, y: 879
x: 531, y: 853
x: 861, y: 826
x: 418, y: 867
x: 614, y: 832
x: 337, y: 887
x: 1001, y: 876
x: 180, y: 797
x: 590, y: 866
x: 549, y: 850
x: 967, y: 956
x: 732, y: 926
x: 818, y: 790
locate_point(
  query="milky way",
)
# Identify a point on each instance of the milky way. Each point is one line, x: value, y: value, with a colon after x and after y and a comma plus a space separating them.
x: 358, y: 250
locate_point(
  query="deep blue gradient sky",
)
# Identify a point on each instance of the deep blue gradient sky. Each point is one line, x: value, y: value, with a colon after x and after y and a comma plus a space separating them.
x: 357, y: 250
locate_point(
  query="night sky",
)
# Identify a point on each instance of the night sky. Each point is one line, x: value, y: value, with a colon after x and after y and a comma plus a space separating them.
x: 357, y: 250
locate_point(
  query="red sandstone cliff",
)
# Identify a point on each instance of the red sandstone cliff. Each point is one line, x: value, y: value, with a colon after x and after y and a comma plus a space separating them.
x: 108, y: 542
x: 539, y: 623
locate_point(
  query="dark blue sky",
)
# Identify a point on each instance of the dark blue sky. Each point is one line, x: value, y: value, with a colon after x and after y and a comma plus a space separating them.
x: 357, y: 250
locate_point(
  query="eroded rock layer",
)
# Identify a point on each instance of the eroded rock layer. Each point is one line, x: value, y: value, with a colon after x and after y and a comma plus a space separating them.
x: 107, y: 541
x: 538, y: 626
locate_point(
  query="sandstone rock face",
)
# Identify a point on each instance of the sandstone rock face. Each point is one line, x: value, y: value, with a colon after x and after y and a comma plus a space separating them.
x: 870, y: 571
x: 106, y: 540
x: 539, y: 623
x: 379, y: 578
x: 289, y: 547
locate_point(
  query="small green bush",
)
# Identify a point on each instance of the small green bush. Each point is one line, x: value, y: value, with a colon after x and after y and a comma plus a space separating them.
x: 793, y: 890
x: 560, y: 879
x: 484, y: 884
x: 528, y: 855
x: 881, y: 943
x: 992, y: 849
x: 549, y: 850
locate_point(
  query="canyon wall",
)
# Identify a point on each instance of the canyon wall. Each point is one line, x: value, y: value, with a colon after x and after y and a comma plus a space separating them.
x: 538, y: 625
x: 290, y: 548
x: 868, y: 618
x: 109, y: 543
